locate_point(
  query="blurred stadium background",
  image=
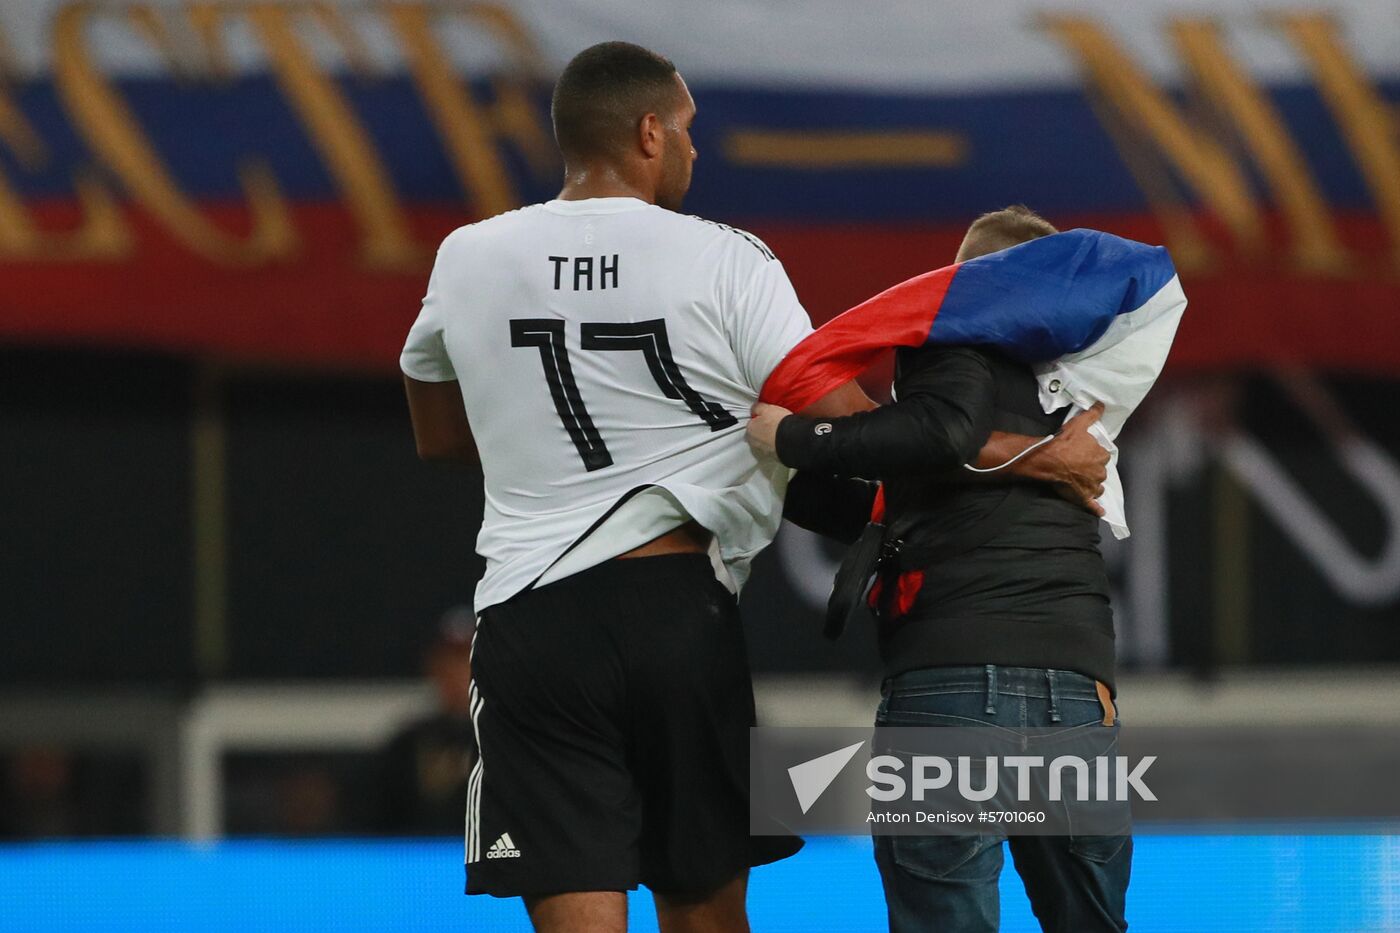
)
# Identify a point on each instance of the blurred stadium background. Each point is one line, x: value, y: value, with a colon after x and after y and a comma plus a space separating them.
x: 222, y: 565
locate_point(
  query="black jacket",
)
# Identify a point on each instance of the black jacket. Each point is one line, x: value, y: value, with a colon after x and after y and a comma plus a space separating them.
x: 1036, y: 593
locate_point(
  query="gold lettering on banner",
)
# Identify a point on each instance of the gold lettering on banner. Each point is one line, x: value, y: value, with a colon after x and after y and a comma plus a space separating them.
x: 467, y: 129
x: 1140, y: 109
x: 102, y: 233
x: 107, y: 124
x: 327, y: 14
x: 1316, y: 247
x: 339, y: 136
x: 152, y: 25
x: 1369, y: 125
x: 846, y: 149
x: 516, y: 117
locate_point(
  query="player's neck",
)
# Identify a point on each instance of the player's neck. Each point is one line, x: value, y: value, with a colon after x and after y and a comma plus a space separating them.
x: 604, y: 181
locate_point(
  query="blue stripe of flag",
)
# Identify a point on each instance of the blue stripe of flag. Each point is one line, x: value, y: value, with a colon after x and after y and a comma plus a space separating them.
x: 1056, y: 295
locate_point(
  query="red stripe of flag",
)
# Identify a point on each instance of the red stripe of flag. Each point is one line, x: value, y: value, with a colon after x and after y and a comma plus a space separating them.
x: 854, y: 340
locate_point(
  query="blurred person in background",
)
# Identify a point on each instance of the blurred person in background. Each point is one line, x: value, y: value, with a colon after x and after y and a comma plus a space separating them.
x: 993, y: 603
x: 424, y: 768
x: 309, y: 803
x: 40, y: 795
x: 53, y: 791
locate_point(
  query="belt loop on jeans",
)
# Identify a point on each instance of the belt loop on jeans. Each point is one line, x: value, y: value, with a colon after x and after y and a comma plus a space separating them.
x: 1054, y: 698
x: 991, y: 690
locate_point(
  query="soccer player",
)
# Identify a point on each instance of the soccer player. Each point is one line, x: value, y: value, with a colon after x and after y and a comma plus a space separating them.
x: 602, y: 352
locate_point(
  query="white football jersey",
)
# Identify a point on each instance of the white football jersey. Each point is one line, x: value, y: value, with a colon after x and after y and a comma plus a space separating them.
x: 608, y: 352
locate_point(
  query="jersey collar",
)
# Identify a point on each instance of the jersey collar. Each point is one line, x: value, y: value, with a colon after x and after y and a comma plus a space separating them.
x: 596, y: 205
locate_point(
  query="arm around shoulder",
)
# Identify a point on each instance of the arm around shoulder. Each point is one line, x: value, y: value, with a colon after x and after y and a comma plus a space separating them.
x: 941, y: 419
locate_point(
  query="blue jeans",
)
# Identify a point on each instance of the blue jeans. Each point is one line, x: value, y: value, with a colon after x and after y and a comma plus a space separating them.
x: 948, y: 884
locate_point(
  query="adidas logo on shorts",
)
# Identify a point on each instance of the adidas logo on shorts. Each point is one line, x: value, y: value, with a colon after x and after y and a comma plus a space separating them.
x: 503, y: 848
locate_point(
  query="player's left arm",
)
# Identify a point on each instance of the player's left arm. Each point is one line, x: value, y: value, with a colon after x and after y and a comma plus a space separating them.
x: 440, y: 428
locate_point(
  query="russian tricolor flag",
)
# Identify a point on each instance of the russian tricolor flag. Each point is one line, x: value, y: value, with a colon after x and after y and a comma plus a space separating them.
x: 1094, y: 313
x: 1035, y: 302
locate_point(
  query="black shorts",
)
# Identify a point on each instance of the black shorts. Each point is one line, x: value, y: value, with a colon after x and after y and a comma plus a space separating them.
x: 612, y: 711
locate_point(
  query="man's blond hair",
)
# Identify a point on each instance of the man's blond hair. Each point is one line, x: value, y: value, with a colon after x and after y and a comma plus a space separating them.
x: 998, y: 230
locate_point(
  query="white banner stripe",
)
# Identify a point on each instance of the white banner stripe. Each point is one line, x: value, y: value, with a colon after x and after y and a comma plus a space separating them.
x: 894, y: 45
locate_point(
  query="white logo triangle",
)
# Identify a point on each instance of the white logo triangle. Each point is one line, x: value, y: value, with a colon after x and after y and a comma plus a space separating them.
x: 811, y: 778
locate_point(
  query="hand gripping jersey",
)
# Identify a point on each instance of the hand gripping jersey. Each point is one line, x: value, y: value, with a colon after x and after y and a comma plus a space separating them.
x: 608, y: 352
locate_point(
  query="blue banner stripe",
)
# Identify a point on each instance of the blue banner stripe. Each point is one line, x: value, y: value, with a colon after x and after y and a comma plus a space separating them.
x: 1046, y: 148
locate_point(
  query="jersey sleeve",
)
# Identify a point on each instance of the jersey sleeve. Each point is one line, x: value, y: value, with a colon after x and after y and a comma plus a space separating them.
x: 764, y: 320
x: 424, y: 355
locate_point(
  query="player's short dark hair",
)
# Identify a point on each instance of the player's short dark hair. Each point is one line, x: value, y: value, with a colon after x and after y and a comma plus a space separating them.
x: 603, y: 93
x: 997, y: 230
